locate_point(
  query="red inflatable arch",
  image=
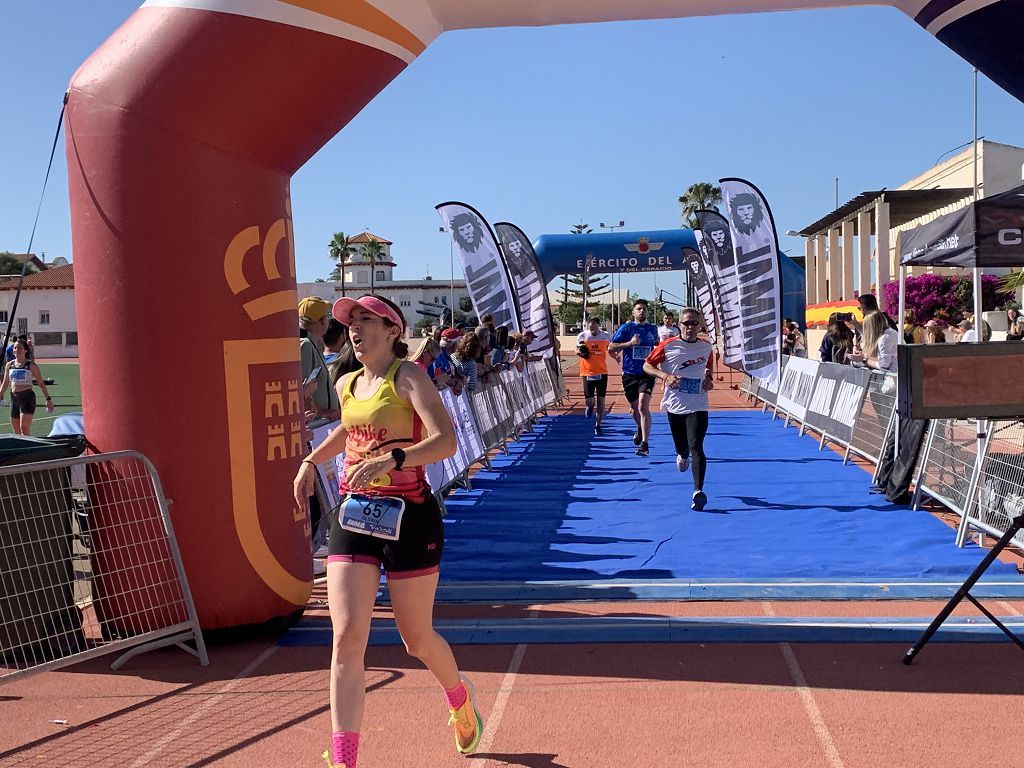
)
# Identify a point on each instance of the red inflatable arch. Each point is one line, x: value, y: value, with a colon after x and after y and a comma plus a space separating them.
x: 183, y: 131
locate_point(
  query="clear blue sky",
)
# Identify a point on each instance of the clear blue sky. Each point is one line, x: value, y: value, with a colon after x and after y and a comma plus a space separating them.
x: 548, y: 127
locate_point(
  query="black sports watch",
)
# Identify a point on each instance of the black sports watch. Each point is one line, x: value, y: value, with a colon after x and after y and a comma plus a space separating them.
x: 398, y: 456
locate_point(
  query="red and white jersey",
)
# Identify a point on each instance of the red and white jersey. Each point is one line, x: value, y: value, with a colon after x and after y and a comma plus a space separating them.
x: 688, y: 360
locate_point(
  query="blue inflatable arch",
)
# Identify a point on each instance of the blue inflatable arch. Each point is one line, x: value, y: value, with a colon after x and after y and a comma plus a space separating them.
x: 641, y: 252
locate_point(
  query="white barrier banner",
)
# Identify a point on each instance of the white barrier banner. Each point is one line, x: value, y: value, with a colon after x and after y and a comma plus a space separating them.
x: 797, y: 386
x: 330, y: 471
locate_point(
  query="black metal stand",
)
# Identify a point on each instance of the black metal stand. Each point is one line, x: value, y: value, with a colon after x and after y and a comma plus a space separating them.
x: 964, y: 591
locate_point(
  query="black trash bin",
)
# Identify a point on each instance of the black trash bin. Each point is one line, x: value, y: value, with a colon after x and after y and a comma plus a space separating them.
x: 39, y: 620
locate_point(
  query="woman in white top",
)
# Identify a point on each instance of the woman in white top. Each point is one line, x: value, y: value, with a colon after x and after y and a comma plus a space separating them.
x: 878, y: 345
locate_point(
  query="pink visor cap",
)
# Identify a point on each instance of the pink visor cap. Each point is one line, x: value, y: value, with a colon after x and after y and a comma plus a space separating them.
x: 343, y: 309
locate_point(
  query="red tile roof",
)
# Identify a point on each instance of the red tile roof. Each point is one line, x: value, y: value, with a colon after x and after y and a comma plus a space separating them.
x: 59, y: 277
x: 365, y: 237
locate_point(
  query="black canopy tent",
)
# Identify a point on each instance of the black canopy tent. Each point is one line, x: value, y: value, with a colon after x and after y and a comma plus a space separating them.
x: 986, y: 234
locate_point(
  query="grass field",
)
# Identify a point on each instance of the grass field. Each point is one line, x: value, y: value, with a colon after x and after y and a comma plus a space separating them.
x: 65, y: 391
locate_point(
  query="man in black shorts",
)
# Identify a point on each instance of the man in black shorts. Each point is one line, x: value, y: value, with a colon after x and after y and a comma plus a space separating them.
x: 637, y: 339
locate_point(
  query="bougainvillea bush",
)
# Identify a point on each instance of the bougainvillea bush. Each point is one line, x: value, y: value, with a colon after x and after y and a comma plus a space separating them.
x: 945, y: 298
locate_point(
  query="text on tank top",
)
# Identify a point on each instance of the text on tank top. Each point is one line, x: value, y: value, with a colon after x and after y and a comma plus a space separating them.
x: 375, y: 426
x: 20, y: 376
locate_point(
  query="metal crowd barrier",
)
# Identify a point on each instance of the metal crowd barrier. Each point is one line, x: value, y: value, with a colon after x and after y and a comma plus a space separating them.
x: 1000, y: 480
x: 877, y: 418
x: 984, y: 484
x: 496, y: 413
x: 89, y: 565
x: 947, y: 465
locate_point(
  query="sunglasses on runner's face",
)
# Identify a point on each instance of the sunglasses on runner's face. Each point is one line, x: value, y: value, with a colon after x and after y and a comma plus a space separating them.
x: 691, y: 323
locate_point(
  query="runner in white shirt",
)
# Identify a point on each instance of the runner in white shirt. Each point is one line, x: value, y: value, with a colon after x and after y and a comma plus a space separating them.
x: 685, y: 365
x: 668, y: 327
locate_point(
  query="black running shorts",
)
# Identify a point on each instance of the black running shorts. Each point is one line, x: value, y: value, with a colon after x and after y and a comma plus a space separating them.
x: 595, y: 387
x: 634, y: 386
x: 23, y: 402
x: 416, y: 553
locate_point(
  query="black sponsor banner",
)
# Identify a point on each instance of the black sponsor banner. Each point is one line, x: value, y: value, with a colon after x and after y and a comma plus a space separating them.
x: 756, y: 249
x: 835, y: 403
x: 715, y: 242
x: 947, y: 240
x: 698, y: 278
x: 531, y: 292
x: 487, y: 277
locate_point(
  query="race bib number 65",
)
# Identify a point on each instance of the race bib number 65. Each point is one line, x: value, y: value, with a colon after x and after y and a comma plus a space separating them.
x: 379, y: 516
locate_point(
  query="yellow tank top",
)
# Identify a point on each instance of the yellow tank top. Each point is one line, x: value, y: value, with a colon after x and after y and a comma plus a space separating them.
x: 376, y: 425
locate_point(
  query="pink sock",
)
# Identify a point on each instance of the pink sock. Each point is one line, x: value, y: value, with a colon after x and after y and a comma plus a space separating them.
x: 456, y: 696
x: 344, y: 748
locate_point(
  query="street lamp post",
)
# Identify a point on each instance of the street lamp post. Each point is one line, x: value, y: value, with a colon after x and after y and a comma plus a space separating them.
x: 451, y: 279
x: 615, y: 294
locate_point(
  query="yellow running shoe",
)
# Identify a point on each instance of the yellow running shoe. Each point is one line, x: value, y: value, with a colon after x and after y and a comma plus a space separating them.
x: 469, y: 726
x: 327, y: 757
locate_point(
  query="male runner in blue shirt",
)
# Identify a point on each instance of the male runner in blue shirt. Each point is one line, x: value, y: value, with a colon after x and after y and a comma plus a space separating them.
x: 637, y: 339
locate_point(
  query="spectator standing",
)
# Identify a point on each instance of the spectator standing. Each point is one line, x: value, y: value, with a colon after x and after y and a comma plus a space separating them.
x: 837, y: 346
x: 1014, y: 325
x: 868, y: 303
x: 441, y: 370
x: 464, y: 361
x: 933, y: 333
x: 424, y: 355
x: 798, y: 341
x: 313, y: 313
x: 879, y: 344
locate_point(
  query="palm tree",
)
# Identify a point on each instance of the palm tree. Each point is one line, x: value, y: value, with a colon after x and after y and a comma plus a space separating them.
x: 1013, y: 281
x: 700, y: 196
x: 338, y: 249
x: 580, y: 229
x: 373, y: 251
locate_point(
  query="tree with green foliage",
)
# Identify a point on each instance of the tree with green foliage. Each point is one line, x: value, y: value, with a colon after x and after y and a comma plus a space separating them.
x: 10, y: 264
x: 373, y: 250
x: 339, y: 249
x: 700, y: 196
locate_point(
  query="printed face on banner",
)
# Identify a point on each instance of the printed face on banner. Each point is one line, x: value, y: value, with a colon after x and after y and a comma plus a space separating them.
x: 719, y: 242
x: 515, y: 251
x: 748, y: 217
x: 467, y: 231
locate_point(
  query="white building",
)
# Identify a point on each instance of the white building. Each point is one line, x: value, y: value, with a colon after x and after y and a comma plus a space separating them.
x: 46, y: 311
x: 854, y: 248
x: 410, y: 295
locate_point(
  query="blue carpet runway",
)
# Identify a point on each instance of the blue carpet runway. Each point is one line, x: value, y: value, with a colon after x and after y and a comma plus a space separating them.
x: 567, y: 515
x: 568, y: 507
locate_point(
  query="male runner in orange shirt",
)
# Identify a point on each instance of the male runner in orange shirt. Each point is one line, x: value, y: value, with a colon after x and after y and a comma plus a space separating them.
x: 592, y: 349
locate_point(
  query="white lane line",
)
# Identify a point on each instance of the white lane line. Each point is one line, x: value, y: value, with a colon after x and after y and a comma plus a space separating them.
x: 807, y: 698
x: 211, y: 700
x: 501, y: 700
